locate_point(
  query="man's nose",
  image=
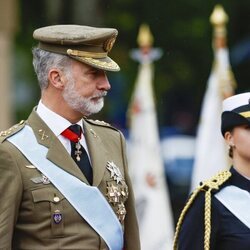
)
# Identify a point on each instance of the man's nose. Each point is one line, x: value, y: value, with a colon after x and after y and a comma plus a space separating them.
x: 103, y: 83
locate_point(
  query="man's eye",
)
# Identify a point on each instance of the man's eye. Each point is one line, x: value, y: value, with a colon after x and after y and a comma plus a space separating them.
x: 94, y: 72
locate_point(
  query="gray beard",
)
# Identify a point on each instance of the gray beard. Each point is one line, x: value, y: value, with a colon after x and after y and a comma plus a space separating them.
x: 84, y: 105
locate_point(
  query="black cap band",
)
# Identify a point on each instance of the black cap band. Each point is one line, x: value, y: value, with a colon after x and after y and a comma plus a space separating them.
x: 230, y: 119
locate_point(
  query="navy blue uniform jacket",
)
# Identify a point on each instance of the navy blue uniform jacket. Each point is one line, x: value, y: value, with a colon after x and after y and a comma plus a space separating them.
x: 227, y: 231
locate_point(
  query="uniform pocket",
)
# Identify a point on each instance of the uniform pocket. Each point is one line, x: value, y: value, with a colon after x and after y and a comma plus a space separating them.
x: 48, y: 205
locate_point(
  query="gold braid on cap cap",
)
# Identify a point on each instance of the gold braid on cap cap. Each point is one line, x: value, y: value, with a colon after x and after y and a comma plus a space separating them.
x: 245, y: 114
x: 207, y: 187
x: 97, y: 55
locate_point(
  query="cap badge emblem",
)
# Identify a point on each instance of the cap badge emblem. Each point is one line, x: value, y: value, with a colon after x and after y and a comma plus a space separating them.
x: 108, y: 45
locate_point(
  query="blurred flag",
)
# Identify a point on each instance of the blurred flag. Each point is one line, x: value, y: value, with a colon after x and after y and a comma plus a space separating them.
x: 145, y: 158
x: 211, y: 155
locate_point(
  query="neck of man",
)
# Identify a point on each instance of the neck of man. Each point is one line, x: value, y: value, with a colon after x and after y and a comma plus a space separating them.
x: 58, y: 105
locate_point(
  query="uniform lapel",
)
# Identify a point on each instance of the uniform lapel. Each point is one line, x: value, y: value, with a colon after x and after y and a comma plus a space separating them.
x: 56, y: 151
x: 98, y: 154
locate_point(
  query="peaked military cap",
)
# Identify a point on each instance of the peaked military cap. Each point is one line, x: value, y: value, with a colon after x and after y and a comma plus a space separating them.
x: 235, y: 112
x: 86, y: 44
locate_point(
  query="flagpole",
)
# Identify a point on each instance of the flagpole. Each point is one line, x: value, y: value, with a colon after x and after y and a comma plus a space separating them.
x: 210, y: 150
x: 144, y: 153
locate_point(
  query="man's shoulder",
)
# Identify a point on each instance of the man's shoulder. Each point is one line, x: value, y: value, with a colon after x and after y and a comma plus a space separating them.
x: 100, y: 124
x: 11, y: 131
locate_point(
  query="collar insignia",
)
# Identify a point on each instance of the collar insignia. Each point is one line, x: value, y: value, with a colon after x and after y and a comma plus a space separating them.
x: 93, y: 133
x: 42, y: 134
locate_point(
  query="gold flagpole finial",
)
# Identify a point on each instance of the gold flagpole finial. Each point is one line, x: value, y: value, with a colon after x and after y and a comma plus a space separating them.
x: 219, y: 19
x: 219, y: 16
x: 145, y: 37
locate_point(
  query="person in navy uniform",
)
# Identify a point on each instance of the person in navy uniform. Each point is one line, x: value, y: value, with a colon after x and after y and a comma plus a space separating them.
x: 216, y: 215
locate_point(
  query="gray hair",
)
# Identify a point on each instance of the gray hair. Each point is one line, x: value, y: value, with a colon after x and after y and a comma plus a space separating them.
x: 43, y: 61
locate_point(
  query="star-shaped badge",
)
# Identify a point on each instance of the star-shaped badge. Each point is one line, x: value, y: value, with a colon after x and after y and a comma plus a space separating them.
x: 115, y: 172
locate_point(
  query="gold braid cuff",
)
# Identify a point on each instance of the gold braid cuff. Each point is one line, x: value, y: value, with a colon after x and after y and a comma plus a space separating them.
x: 207, y: 187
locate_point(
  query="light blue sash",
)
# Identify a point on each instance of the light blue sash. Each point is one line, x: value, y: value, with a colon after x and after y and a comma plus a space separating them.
x: 237, y: 201
x: 87, y: 200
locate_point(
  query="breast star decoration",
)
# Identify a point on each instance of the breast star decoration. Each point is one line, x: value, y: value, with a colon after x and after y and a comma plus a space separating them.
x: 115, y: 172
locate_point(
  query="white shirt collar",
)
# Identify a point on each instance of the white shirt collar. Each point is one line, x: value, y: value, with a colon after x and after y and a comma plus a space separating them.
x: 54, y: 121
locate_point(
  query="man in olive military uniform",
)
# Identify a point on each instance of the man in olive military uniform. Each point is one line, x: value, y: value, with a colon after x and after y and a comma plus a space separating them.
x: 64, y: 180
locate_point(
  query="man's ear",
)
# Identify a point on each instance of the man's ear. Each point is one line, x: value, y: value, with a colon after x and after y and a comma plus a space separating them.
x: 56, y: 78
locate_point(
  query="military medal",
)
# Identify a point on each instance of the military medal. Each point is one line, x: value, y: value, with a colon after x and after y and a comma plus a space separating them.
x: 41, y: 179
x: 121, y: 212
x: 78, y: 152
x: 45, y: 179
x: 57, y: 216
x: 116, y: 197
x: 37, y: 180
x: 115, y: 172
x: 74, y: 137
x: 117, y: 194
x: 113, y: 194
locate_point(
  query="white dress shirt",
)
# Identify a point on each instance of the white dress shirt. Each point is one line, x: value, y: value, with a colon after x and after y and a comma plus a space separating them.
x: 58, y: 124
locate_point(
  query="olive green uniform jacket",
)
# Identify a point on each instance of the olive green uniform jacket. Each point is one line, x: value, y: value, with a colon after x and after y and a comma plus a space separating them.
x: 27, y: 205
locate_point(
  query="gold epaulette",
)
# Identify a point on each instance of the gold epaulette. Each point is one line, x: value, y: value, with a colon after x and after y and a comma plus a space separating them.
x: 207, y: 186
x: 12, y: 130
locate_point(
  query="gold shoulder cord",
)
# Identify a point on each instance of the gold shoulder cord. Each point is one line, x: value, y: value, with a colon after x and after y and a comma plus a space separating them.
x: 206, y: 186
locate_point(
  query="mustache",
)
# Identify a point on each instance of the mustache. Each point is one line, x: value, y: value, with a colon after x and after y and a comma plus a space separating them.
x: 100, y: 94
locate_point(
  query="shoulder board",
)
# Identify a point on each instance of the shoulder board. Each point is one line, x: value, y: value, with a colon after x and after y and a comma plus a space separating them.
x: 216, y: 181
x: 12, y: 130
x: 100, y: 123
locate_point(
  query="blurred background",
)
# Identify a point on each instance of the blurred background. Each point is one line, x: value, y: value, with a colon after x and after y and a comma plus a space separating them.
x: 181, y: 29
